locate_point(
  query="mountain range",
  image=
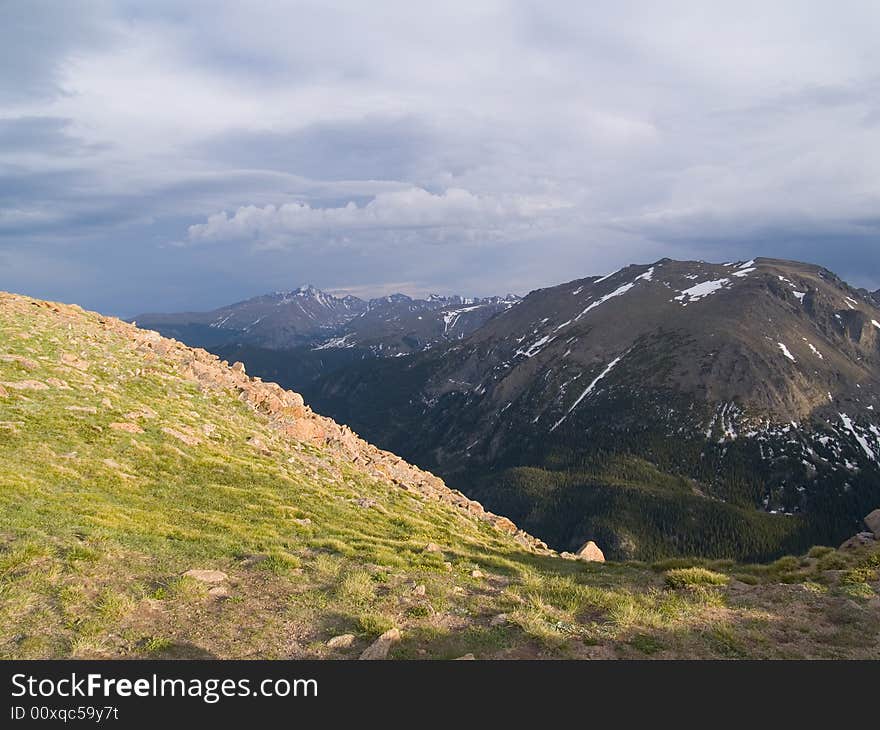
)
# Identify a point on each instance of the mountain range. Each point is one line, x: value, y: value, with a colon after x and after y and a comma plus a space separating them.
x: 729, y: 409
x: 159, y: 502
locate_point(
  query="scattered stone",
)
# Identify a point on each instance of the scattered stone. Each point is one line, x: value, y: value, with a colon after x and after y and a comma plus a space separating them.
x: 343, y: 641
x: 258, y: 444
x: 419, y: 590
x: 476, y: 574
x: 58, y: 383
x: 112, y: 464
x: 127, y: 427
x: 380, y: 647
x: 433, y: 547
x: 565, y: 555
x: 206, y: 576
x: 25, y: 385
x: 498, y: 620
x: 82, y: 409
x: 219, y: 591
x: 302, y: 520
x: 238, y: 367
x: 180, y: 436
x: 465, y: 658
x: 873, y: 523
x: 591, y: 553
x: 25, y: 362
x: 365, y: 503
x: 74, y: 361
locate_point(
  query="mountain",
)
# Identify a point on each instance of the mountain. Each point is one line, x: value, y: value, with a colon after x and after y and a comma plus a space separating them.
x: 308, y: 317
x: 157, y: 502
x: 730, y: 410
x: 282, y: 319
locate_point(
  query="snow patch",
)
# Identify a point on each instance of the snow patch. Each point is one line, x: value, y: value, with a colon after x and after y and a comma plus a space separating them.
x: 589, y: 390
x: 786, y: 352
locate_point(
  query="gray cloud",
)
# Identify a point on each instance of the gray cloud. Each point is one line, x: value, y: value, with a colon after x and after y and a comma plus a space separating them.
x: 168, y: 155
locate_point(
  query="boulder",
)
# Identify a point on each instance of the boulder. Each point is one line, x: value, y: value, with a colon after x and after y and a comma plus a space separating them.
x: 432, y: 547
x: 343, y: 641
x: 380, y: 647
x: 206, y: 576
x: 591, y: 553
x: 238, y: 367
x: 873, y: 523
x: 419, y: 590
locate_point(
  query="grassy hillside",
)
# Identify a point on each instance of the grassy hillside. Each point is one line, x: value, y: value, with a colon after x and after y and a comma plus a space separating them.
x: 127, y: 460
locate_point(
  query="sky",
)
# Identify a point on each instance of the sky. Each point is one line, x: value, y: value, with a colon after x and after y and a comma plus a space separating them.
x: 169, y: 156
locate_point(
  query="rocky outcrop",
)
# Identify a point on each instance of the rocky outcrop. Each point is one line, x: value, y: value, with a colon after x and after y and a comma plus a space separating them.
x: 873, y: 523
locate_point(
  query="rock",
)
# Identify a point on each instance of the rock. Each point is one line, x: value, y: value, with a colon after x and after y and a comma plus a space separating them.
x: 565, y: 555
x: 419, y: 590
x: 476, y: 574
x: 238, y: 367
x: 380, y: 647
x: 25, y: 385
x: 302, y: 520
x: 365, y: 503
x: 505, y: 525
x: 465, y: 658
x: 498, y: 620
x: 857, y: 541
x: 127, y: 427
x: 58, y: 383
x: 218, y: 591
x: 343, y: 641
x: 206, y: 576
x: 591, y: 553
x: 82, y: 409
x: 180, y: 436
x: 25, y: 362
x: 432, y: 547
x: 873, y: 523
x: 3, y: 392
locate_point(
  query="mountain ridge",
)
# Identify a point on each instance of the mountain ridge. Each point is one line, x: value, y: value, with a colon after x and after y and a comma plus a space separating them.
x: 160, y: 503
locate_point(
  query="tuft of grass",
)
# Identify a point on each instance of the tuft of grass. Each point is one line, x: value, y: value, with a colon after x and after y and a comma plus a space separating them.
x: 374, y: 624
x: 356, y: 587
x: 690, y: 577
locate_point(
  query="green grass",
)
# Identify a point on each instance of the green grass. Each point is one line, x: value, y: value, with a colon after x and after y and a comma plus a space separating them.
x: 97, y: 527
x: 690, y: 577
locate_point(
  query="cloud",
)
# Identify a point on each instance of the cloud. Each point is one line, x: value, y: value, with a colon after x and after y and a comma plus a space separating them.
x: 564, y: 139
x: 413, y: 209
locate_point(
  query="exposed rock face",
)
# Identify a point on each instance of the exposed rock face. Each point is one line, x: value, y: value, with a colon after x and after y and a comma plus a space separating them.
x: 873, y: 523
x: 591, y: 553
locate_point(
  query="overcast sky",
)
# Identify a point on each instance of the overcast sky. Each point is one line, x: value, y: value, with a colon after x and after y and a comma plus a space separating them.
x: 169, y: 155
